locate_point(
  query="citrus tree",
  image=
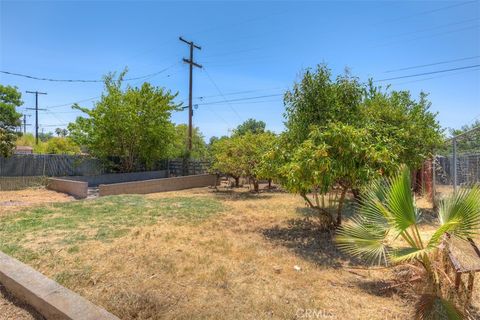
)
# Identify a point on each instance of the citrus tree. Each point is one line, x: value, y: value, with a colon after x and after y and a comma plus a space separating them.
x: 342, y: 133
x: 241, y: 156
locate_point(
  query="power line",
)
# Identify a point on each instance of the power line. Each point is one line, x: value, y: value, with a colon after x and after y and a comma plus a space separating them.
x: 221, y: 93
x: 240, y: 99
x: 427, y: 73
x: 96, y: 97
x: 432, y: 64
x: 435, y: 77
x: 432, y: 28
x: 427, y: 36
x: 426, y: 12
x: 81, y: 80
x: 237, y: 93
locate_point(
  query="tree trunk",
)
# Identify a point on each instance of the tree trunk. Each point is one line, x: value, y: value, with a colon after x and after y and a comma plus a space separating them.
x: 340, y: 205
x: 269, y: 183
x: 304, y: 196
x: 255, y: 185
x: 237, y: 181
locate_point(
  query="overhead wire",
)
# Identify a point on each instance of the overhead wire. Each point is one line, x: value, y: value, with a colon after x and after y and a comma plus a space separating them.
x: 432, y: 64
x: 221, y: 93
x: 428, y: 73
x: 82, y: 80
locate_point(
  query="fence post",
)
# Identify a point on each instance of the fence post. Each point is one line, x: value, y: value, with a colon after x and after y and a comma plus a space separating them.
x: 454, y: 142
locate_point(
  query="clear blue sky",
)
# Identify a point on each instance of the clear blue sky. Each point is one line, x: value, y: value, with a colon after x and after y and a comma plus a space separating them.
x: 259, y: 47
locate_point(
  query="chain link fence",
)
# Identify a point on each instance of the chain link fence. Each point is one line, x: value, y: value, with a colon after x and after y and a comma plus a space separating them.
x: 457, y: 164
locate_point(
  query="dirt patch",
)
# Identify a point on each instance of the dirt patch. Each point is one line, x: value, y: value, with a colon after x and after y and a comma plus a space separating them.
x: 15, y: 200
x: 13, y: 309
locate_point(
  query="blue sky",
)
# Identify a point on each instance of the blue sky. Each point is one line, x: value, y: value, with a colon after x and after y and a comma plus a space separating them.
x: 252, y: 51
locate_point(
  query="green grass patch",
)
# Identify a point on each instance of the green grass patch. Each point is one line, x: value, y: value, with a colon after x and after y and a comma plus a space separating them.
x: 103, y: 219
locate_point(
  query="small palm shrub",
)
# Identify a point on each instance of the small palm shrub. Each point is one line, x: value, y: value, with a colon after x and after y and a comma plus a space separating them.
x: 386, y: 231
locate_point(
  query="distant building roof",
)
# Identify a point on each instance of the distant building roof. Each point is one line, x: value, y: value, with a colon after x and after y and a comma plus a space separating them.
x: 23, y: 150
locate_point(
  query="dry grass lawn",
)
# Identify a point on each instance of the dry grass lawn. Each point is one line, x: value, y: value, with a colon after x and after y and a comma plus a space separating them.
x: 200, y: 254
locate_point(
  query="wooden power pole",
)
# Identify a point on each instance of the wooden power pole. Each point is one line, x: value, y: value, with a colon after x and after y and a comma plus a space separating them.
x: 190, y: 109
x: 36, y: 112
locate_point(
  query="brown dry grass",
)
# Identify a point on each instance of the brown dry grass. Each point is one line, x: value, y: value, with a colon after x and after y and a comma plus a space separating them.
x: 11, y: 201
x: 236, y: 265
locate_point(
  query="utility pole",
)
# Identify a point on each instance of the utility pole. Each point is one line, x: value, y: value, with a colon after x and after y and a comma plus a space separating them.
x: 25, y: 123
x: 36, y: 112
x: 190, y: 109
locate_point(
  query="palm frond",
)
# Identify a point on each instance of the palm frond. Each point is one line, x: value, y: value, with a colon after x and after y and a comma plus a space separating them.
x: 365, y: 240
x: 399, y: 201
x: 409, y: 254
x: 460, y: 214
x: 372, y: 206
x: 432, y: 307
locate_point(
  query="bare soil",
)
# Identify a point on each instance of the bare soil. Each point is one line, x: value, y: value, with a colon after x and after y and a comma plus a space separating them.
x: 11, y: 201
x: 13, y: 309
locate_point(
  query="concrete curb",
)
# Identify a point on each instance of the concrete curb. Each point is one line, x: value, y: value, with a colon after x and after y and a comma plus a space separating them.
x: 50, y: 299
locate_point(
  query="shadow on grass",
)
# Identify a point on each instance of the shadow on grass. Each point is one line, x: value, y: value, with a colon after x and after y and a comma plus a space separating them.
x: 310, y: 240
x: 233, y: 195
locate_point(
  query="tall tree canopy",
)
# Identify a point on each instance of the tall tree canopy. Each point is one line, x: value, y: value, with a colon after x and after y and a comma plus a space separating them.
x: 132, y: 124
x: 250, y: 125
x: 342, y: 133
x: 199, y: 146
x: 10, y: 99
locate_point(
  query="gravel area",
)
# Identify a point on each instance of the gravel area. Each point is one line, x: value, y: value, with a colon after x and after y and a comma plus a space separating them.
x: 12, y: 309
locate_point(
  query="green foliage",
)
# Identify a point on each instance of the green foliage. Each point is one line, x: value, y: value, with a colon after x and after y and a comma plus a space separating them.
x: 407, y: 126
x: 319, y: 100
x: 132, y: 124
x: 341, y: 134
x: 54, y: 145
x: 199, y: 147
x: 250, y: 126
x: 387, y: 213
x: 59, y: 145
x: 241, y: 155
x: 26, y: 139
x: 10, y: 99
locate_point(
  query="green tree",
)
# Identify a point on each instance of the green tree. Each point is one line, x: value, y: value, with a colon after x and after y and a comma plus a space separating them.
x: 250, y: 125
x: 341, y: 134
x: 10, y: 99
x: 59, y: 145
x: 241, y: 156
x: 387, y: 214
x: 318, y: 100
x: 132, y: 125
x: 199, y: 147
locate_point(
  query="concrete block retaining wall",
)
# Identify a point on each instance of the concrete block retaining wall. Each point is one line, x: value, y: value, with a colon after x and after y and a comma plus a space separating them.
x: 95, y: 181
x: 46, y: 296
x: 78, y: 189
x: 158, y: 185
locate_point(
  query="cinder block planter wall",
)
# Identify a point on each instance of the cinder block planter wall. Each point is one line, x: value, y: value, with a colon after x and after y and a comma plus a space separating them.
x: 158, y: 185
x: 78, y: 189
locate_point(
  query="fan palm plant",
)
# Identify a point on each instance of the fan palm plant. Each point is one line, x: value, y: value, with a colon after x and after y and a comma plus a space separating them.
x: 386, y: 231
